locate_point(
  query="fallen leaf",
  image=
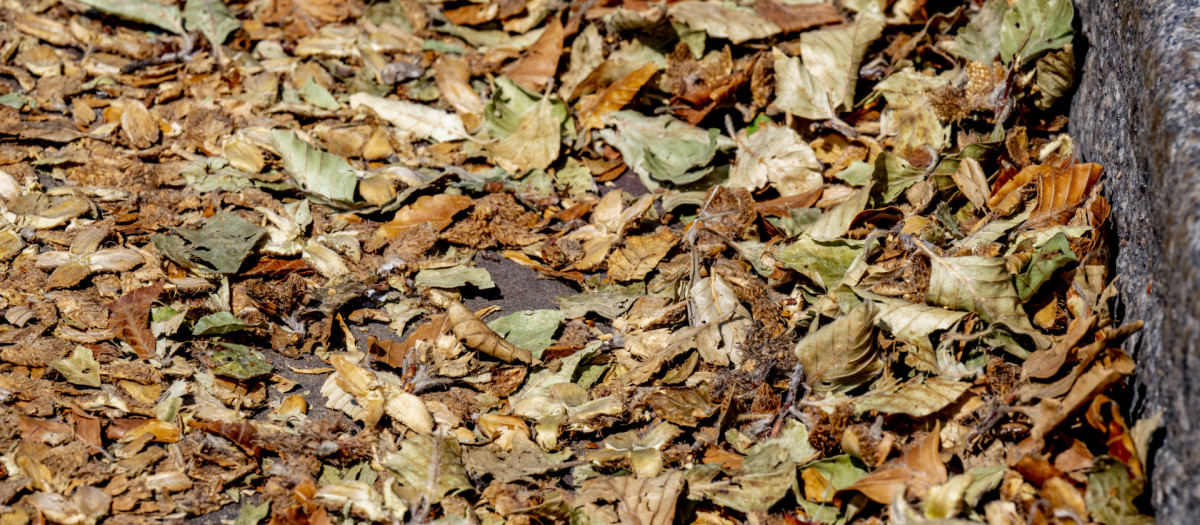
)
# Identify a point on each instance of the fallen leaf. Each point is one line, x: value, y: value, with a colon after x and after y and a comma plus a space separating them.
x: 916, y: 471
x: 422, y: 121
x: 842, y: 355
x: 539, y: 63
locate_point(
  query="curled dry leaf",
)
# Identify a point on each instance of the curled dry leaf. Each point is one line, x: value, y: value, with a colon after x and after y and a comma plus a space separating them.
x: 842, y: 355
x: 130, y: 319
x: 475, y: 334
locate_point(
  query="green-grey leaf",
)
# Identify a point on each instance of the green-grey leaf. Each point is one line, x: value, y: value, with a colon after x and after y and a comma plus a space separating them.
x: 607, y: 300
x: 455, y: 277
x: 1111, y: 492
x: 1051, y: 257
x: 918, y: 397
x: 842, y: 355
x: 979, y: 41
x: 976, y: 284
x: 211, y: 18
x: 220, y: 323
x: 430, y: 467
x: 251, y: 514
x: 841, y: 472
x: 141, y: 11
x: 79, y: 369
x: 663, y: 148
x: 502, y: 112
x: 319, y: 172
x: 317, y: 95
x: 911, y: 322
x: 239, y: 362
x: 1032, y: 27
x: 223, y: 244
x: 824, y: 262
x: 531, y: 329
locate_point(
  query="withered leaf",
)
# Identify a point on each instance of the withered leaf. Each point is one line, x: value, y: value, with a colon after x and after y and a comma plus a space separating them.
x: 537, y: 67
x: 916, y: 471
x: 842, y: 355
x: 130, y: 319
x: 640, y: 255
x: 615, y: 96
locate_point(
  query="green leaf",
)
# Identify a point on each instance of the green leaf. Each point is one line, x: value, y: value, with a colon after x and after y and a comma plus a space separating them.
x: 663, y: 148
x: 609, y: 300
x: 917, y: 397
x: 839, y: 472
x: 221, y: 323
x: 1032, y: 27
x: 326, y: 175
x: 762, y: 480
x: 979, y: 41
x: 430, y: 467
x: 531, y: 329
x: 80, y: 369
x: 455, y: 277
x: 976, y: 284
x: 222, y: 244
x: 1053, y: 256
x: 317, y: 95
x: 842, y: 355
x: 141, y: 11
x: 824, y: 262
x: 1111, y: 492
x: 910, y: 322
x: 239, y: 362
x: 211, y: 18
x: 14, y: 100
x: 251, y: 514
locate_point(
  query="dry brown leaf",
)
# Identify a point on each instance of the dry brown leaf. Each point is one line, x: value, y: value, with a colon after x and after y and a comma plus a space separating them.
x: 140, y: 127
x: 131, y: 319
x: 971, y: 181
x: 1060, y: 192
x: 916, y: 471
x: 794, y: 18
x: 640, y: 255
x: 438, y: 210
x: 1049, y: 413
x: 540, y: 62
x: 453, y: 80
x: 593, y: 108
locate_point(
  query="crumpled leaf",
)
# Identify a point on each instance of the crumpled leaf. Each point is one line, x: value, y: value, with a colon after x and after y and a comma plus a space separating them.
x: 820, y: 482
x: 776, y: 154
x: 764, y: 477
x: 979, y: 40
x: 1055, y: 75
x: 644, y: 452
x: 430, y: 468
x: 640, y: 255
x: 1111, y: 492
x: 733, y: 23
x: 239, y: 362
x: 842, y: 355
x: 649, y: 501
x: 976, y: 284
x: 910, y: 322
x: 324, y: 174
x: 826, y: 80
x: 918, y: 397
x: 223, y: 243
x: 914, y: 472
x: 221, y: 323
x: 509, y: 101
x: 662, y: 148
x: 725, y: 320
x: 211, y: 18
x: 910, y: 117
x: 474, y: 334
x: 422, y: 121
x: 608, y: 301
x: 533, y: 145
x: 1051, y: 257
x: 824, y: 262
x: 1035, y: 26
x: 80, y: 369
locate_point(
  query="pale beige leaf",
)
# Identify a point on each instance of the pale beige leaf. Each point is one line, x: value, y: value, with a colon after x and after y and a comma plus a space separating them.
x: 778, y: 155
x: 718, y: 20
x: 640, y: 255
x: 535, y: 144
x: 971, y: 181
x: 424, y: 122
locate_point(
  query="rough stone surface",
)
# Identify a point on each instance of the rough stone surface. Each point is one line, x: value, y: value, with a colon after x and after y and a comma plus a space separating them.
x: 1137, y: 112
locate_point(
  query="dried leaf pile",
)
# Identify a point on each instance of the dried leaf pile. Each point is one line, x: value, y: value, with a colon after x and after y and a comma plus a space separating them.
x: 832, y: 262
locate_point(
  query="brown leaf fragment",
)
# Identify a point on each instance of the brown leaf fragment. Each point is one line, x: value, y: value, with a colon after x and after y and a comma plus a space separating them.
x: 795, y: 18
x: 593, y: 108
x: 540, y: 62
x: 438, y: 210
x: 640, y: 255
x: 1049, y: 413
x: 140, y: 127
x: 971, y: 181
x: 476, y: 334
x: 916, y: 471
x: 453, y: 80
x: 242, y: 433
x: 131, y: 319
x: 647, y: 501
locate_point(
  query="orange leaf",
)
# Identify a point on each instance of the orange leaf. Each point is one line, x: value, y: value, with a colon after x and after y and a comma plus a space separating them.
x: 918, y: 469
x: 1061, y: 191
x: 540, y: 62
x: 614, y: 97
x: 437, y: 210
x: 130, y: 319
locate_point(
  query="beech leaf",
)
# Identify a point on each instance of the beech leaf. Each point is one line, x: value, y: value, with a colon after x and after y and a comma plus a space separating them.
x: 842, y: 355
x: 319, y: 172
